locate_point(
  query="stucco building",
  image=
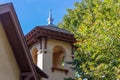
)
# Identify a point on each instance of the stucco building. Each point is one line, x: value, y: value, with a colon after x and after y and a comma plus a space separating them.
x: 15, y: 60
x: 51, y: 47
x: 45, y: 49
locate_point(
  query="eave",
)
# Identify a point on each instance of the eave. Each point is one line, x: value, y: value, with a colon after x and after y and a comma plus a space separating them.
x: 17, y: 41
x: 39, y: 32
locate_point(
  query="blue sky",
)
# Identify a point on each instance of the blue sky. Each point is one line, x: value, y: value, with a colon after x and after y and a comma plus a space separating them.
x: 33, y: 13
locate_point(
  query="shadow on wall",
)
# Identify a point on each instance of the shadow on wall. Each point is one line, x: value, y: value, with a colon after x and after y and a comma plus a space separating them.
x: 58, y: 56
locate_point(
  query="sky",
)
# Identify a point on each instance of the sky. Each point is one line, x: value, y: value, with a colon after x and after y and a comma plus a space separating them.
x: 32, y: 13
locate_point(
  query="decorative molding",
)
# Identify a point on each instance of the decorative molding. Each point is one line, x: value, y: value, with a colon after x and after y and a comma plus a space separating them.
x: 42, y: 51
x: 39, y: 32
x: 39, y: 52
x: 60, y: 69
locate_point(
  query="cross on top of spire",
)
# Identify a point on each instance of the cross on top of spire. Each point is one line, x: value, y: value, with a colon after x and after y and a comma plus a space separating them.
x: 50, y: 19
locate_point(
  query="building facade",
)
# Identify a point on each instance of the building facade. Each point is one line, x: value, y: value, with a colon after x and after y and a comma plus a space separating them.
x: 45, y: 49
x: 51, y: 47
x: 15, y: 60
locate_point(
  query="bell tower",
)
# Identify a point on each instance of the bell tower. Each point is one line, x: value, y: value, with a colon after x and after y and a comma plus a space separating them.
x: 51, y: 47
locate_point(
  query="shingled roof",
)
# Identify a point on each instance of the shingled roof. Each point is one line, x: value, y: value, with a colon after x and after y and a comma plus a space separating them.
x: 56, y: 28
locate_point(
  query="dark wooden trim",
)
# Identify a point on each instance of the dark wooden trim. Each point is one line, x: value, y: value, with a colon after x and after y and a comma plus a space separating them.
x: 45, y: 45
x: 26, y: 75
x: 16, y: 39
x: 38, y: 32
x: 40, y: 40
x: 60, y: 69
x: 39, y: 71
x: 46, y: 39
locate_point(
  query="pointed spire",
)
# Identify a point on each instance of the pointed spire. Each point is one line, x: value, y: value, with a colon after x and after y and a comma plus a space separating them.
x: 50, y: 19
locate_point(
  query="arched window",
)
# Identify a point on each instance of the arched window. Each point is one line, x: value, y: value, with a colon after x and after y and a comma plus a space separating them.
x: 58, y: 56
x: 34, y: 55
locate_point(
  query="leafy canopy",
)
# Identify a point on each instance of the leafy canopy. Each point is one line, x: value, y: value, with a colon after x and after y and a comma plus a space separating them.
x: 96, y: 26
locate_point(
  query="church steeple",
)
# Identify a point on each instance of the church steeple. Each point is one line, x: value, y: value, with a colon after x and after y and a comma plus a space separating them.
x: 50, y: 19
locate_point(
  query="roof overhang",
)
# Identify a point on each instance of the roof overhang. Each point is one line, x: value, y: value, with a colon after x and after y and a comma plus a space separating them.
x: 16, y: 39
x: 44, y: 31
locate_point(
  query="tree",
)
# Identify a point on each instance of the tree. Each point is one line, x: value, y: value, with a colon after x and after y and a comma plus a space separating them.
x: 96, y: 26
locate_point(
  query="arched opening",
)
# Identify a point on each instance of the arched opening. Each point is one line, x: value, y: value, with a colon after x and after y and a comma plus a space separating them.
x: 58, y: 56
x: 34, y: 55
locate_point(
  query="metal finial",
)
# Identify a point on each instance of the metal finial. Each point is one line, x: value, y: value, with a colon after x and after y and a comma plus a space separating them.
x: 50, y: 19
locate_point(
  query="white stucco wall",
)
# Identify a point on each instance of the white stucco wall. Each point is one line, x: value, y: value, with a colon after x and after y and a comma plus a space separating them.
x: 8, y: 66
x: 45, y: 60
x: 40, y: 56
x: 48, y: 63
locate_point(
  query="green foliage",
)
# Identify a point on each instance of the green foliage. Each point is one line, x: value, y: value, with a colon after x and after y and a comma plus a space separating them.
x: 68, y: 79
x: 96, y: 26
